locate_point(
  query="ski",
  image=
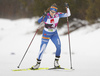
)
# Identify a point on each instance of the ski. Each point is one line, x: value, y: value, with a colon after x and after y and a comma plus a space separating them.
x: 59, y: 68
x: 42, y: 69
x: 30, y: 69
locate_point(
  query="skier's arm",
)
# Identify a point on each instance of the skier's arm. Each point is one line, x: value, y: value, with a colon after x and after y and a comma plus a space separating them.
x: 43, y: 18
x: 61, y: 15
x: 40, y: 19
x: 68, y: 11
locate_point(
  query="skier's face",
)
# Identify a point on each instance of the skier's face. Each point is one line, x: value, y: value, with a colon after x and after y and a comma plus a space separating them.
x: 52, y: 13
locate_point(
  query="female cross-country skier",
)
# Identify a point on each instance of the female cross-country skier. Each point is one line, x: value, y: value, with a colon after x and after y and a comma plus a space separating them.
x: 50, y: 32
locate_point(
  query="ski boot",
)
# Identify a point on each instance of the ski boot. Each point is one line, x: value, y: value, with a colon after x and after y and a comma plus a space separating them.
x: 37, y: 65
x: 56, y: 64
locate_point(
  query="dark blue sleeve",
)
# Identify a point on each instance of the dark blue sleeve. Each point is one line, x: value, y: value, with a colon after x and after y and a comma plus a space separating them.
x: 41, y: 19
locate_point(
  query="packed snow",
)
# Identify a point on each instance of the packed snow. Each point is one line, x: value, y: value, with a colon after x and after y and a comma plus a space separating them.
x: 15, y: 36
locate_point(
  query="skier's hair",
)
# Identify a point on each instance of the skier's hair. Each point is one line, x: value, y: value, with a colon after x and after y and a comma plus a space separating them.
x: 54, y: 6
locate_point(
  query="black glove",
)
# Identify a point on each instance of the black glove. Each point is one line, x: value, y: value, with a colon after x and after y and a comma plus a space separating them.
x: 67, y: 5
x: 44, y: 14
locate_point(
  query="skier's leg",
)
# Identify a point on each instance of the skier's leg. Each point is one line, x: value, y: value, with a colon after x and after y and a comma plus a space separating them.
x: 44, y: 42
x: 55, y: 39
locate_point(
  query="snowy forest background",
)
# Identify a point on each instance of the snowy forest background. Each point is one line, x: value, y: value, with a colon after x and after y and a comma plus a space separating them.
x: 18, y: 24
x: 81, y: 9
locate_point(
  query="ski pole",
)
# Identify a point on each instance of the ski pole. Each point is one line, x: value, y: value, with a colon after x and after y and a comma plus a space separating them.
x: 29, y: 45
x: 69, y: 41
x: 32, y: 39
x: 27, y: 48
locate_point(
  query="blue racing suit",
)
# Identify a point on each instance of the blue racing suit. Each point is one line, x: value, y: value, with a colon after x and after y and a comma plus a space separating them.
x: 50, y: 32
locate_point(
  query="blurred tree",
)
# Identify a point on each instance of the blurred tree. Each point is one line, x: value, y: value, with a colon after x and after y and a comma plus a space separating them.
x: 26, y: 6
x: 93, y: 11
x: 81, y: 6
x: 97, y: 3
